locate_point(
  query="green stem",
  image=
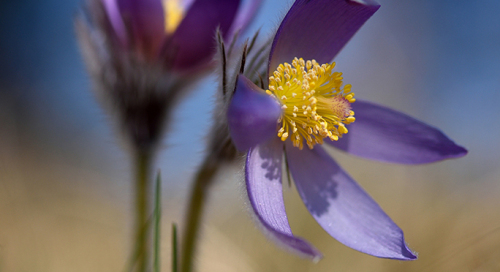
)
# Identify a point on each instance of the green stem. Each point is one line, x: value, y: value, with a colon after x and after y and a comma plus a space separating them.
x: 157, y: 220
x: 203, y: 180
x: 142, y: 210
x: 174, y: 248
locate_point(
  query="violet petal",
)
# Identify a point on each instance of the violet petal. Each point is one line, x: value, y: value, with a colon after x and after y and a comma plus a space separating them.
x: 245, y: 14
x: 145, y: 20
x: 263, y: 182
x: 185, y: 4
x: 193, y: 43
x: 115, y: 20
x: 341, y: 206
x: 318, y: 29
x: 383, y: 134
x: 252, y: 115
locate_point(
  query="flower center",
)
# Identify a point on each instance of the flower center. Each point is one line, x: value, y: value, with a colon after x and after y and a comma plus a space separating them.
x: 174, y: 12
x: 313, y: 102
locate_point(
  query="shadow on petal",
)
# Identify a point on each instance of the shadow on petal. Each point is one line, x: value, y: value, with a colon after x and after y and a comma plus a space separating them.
x: 263, y: 182
x: 342, y: 208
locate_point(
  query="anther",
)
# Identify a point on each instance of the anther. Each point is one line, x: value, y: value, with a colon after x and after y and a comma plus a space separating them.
x: 324, y: 109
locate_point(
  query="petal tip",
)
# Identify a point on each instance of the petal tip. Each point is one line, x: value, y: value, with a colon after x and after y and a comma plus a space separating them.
x: 290, y: 243
x: 317, y: 258
x: 461, y: 151
x: 454, y: 151
x: 404, y: 254
x: 300, y: 247
x: 407, y: 254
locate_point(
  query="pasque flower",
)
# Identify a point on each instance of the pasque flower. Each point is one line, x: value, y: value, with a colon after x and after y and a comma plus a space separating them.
x: 306, y: 105
x: 143, y: 55
x: 179, y: 33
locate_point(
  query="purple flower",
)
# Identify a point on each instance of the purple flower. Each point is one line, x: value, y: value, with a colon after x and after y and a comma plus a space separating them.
x: 306, y: 105
x: 178, y: 32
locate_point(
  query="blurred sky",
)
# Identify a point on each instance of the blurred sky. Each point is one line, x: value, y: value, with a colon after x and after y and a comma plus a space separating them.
x: 436, y: 60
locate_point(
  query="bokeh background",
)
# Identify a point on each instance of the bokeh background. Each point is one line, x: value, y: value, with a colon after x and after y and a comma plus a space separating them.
x: 65, y: 194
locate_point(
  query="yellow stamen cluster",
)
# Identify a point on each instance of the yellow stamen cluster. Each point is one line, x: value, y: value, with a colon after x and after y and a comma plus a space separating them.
x: 313, y: 102
x: 174, y: 13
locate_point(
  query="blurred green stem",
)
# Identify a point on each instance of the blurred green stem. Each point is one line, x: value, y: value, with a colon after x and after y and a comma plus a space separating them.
x: 157, y: 224
x: 174, y: 248
x: 202, y: 183
x: 142, y: 209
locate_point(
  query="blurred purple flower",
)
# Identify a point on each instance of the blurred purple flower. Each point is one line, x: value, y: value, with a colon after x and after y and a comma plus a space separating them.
x: 305, y: 103
x: 145, y: 55
x: 180, y: 33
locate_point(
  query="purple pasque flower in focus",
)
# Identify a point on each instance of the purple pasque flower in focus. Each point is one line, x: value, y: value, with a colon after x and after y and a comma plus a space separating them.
x: 306, y: 105
x: 179, y: 33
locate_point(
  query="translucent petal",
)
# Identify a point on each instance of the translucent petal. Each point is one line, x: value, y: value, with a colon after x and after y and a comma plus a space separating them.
x: 382, y: 134
x: 342, y: 207
x: 318, y: 29
x: 263, y: 181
